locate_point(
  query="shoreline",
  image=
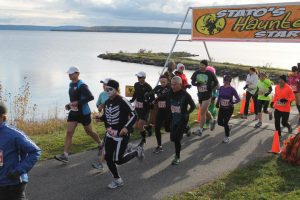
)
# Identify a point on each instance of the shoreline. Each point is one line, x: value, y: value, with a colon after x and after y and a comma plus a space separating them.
x: 158, y: 59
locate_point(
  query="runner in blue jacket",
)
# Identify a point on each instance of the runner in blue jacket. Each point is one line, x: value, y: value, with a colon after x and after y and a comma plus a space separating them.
x: 18, y: 154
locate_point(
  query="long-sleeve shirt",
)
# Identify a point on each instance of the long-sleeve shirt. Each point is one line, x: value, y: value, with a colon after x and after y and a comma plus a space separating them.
x: 183, y: 78
x: 251, y: 82
x: 19, y: 154
x: 139, y: 95
x: 264, y: 87
x: 225, y: 98
x: 118, y: 114
x: 162, y: 94
x: 80, y: 92
x: 179, y: 102
x: 283, y: 93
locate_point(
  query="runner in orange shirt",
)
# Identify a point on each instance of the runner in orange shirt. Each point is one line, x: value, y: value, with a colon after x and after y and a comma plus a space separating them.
x: 282, y: 104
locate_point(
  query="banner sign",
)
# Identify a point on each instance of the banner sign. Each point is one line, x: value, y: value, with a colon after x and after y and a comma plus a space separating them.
x: 252, y: 23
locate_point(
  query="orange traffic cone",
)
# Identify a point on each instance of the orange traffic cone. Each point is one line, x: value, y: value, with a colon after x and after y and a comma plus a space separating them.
x: 275, y: 144
x: 199, y: 114
x: 243, y: 102
x: 298, y: 129
x: 251, y: 106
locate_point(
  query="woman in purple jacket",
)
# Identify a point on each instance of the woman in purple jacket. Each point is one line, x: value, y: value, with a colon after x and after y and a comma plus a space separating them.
x: 225, y: 104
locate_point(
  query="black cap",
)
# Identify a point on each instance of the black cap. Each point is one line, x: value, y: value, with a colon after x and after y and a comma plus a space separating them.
x: 3, y: 109
x: 204, y: 62
x: 283, y: 77
x: 114, y: 84
x: 294, y: 69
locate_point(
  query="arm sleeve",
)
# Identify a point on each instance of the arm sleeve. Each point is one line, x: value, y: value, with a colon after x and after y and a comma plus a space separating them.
x: 236, y: 96
x: 191, y: 103
x: 132, y: 114
x: 86, y: 95
x: 152, y: 96
x: 98, y: 101
x: 31, y: 151
x: 134, y: 94
x: 215, y: 80
x: 193, y: 78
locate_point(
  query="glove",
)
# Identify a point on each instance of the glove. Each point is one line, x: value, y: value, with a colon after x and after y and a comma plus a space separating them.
x: 67, y: 107
x: 217, y: 105
x: 246, y: 86
x: 283, y: 100
x: 13, y: 175
x: 267, y: 94
x: 272, y: 105
x: 188, y: 86
x: 131, y: 100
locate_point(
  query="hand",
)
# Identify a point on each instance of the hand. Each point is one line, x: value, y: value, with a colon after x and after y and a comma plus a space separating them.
x: 188, y: 86
x: 217, y: 105
x: 74, y: 103
x: 246, y: 86
x: 267, y: 94
x: 272, y: 105
x: 283, y: 100
x: 124, y: 132
x: 67, y: 107
x: 131, y: 100
x: 13, y: 175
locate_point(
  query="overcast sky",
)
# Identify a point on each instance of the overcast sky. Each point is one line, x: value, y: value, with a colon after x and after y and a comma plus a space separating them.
x: 165, y: 13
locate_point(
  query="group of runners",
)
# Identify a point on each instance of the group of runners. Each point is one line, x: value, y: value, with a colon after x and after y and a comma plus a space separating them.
x: 173, y: 105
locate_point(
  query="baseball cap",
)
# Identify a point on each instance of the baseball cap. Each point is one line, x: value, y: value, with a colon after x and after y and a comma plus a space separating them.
x: 105, y: 81
x: 3, y: 109
x: 114, y: 84
x: 141, y: 74
x: 72, y: 70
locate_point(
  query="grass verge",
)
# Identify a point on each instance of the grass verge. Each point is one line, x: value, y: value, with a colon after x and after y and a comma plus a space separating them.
x: 269, y: 178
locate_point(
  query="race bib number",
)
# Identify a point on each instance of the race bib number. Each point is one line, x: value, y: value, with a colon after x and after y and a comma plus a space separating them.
x: 1, y: 158
x: 162, y: 104
x: 74, y: 108
x: 112, y: 132
x: 202, y: 88
x: 139, y: 104
x: 294, y: 88
x: 175, y: 109
x: 279, y: 103
x: 225, y: 102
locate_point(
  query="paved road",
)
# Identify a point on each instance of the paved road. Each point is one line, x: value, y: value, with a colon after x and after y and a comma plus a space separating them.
x: 203, y: 159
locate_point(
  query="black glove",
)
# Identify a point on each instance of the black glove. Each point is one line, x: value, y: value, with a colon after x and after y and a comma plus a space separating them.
x: 131, y: 100
x: 217, y: 105
x: 283, y: 100
x: 188, y: 86
x: 246, y: 86
x: 13, y: 175
x: 267, y: 94
x: 272, y: 104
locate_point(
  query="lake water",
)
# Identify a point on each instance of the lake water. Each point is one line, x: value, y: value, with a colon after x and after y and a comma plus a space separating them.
x: 44, y: 57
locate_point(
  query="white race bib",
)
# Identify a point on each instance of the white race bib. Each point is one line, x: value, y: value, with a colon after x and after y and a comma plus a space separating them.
x: 1, y: 158
x: 294, y: 88
x: 202, y: 88
x: 74, y: 108
x: 175, y: 109
x: 112, y: 132
x: 162, y: 104
x: 280, y: 103
x: 225, y: 102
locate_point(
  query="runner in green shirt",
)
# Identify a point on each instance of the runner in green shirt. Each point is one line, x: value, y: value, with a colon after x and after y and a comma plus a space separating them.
x: 264, y: 89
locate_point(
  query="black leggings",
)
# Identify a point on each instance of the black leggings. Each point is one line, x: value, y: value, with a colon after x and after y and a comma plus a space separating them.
x: 254, y: 98
x: 114, y: 154
x: 224, y: 117
x: 176, y: 134
x: 285, y: 118
x: 162, y: 117
x: 262, y: 105
x: 13, y: 192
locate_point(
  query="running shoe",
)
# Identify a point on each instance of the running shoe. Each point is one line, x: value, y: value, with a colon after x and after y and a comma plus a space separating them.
x: 129, y: 148
x: 198, y: 133
x: 290, y: 130
x: 230, y: 126
x: 62, y: 158
x: 116, y: 183
x: 142, y: 142
x: 226, y: 140
x: 176, y: 161
x: 149, y: 130
x: 158, y: 150
x: 98, y: 165
x: 257, y: 125
x: 140, y: 153
x: 255, y: 118
x: 213, y: 124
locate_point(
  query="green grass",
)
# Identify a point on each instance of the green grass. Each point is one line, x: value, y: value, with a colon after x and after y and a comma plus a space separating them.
x: 269, y: 178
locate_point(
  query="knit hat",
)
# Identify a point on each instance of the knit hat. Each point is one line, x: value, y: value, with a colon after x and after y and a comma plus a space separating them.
x: 3, y: 109
x: 180, y: 66
x: 114, y: 84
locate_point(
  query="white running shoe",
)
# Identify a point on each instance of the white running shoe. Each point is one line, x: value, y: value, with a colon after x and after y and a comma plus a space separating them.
x: 116, y: 183
x: 226, y: 140
x: 140, y: 152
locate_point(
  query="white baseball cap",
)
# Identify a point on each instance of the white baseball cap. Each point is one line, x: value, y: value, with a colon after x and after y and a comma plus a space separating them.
x: 180, y: 66
x: 72, y: 70
x: 141, y: 74
x: 105, y: 81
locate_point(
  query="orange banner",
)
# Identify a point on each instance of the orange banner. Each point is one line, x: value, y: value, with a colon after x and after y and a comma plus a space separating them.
x: 251, y: 23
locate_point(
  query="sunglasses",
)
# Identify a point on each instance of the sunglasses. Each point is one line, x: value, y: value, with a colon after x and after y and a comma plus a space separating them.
x: 140, y: 77
x: 109, y: 89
